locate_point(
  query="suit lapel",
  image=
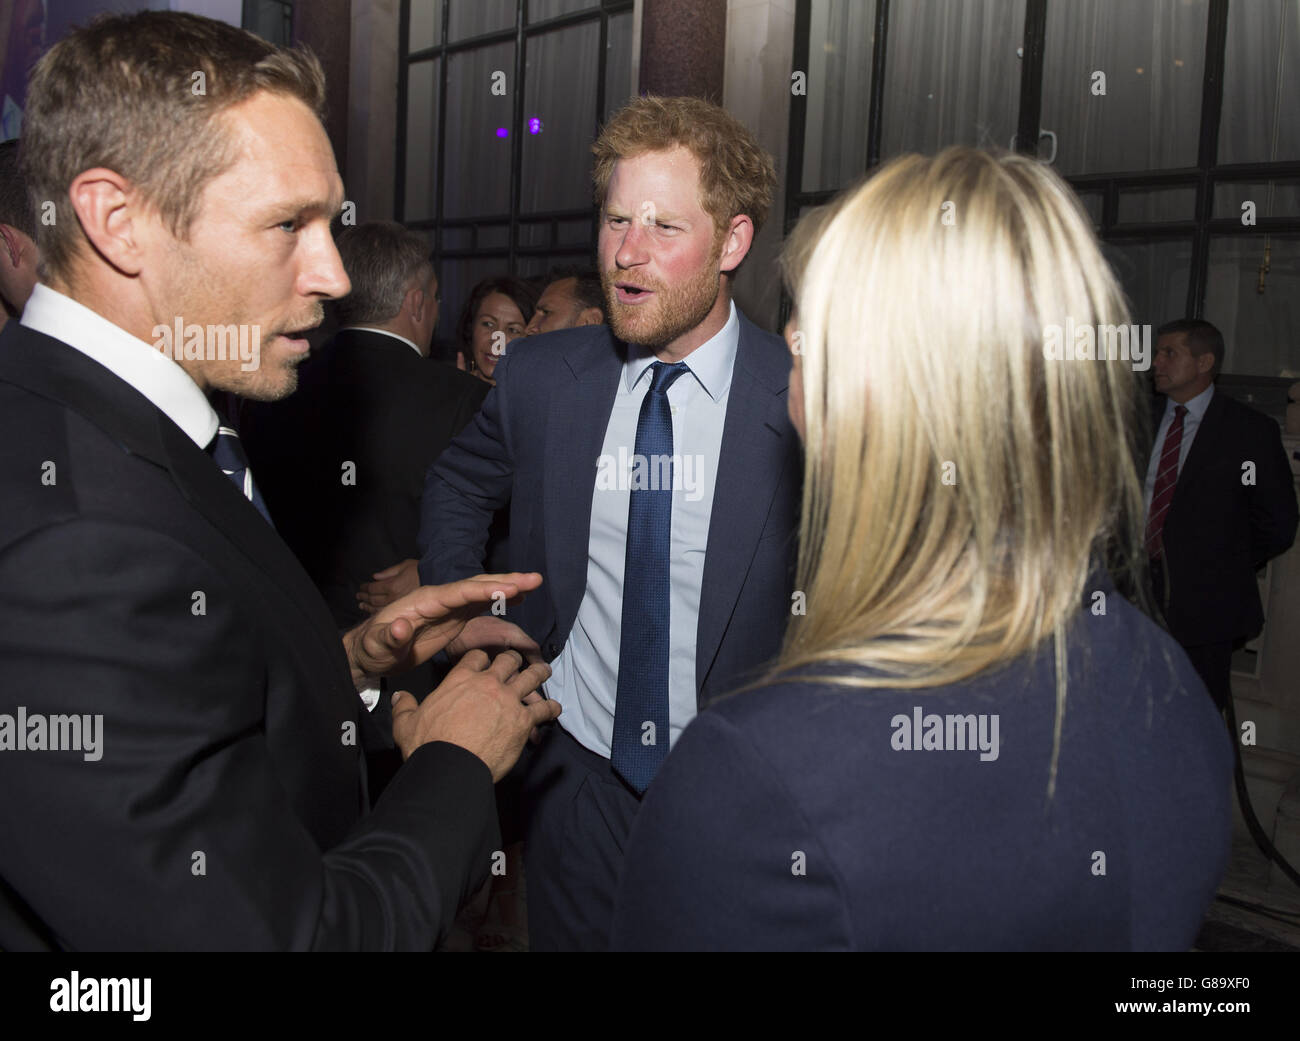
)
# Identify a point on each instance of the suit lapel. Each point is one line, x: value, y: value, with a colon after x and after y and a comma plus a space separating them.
x: 1202, y: 445
x: 749, y: 472
x: 54, y: 370
x: 576, y: 424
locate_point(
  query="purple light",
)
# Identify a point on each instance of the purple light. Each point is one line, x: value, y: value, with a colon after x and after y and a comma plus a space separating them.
x: 534, y: 125
x: 502, y: 132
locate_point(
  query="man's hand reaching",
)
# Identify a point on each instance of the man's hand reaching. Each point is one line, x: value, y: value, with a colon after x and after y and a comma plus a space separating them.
x: 413, y: 629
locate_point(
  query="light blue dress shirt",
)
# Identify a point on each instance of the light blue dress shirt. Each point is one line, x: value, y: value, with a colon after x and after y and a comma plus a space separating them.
x: 584, y: 677
x: 1195, y: 413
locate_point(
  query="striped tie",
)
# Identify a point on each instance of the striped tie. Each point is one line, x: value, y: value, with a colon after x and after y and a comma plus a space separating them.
x: 1162, y: 493
x: 228, y: 454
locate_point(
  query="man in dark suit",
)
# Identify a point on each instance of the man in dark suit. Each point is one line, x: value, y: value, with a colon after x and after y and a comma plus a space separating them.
x: 371, y: 413
x: 1220, y: 503
x: 653, y: 477
x: 19, y: 256
x: 178, y: 733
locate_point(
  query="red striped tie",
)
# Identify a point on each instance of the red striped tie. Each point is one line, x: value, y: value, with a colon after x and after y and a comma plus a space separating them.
x: 1166, y: 477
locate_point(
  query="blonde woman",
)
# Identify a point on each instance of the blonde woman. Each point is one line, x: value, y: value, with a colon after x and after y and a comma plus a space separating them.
x: 971, y: 739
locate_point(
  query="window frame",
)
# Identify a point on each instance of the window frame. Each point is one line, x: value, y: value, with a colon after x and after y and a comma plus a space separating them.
x: 519, y: 35
x: 1204, y: 177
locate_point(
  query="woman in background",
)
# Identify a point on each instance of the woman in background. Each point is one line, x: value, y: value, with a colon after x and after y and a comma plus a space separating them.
x: 498, y: 311
x: 971, y: 740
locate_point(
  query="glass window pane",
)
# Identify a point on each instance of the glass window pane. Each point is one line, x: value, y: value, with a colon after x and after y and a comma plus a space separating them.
x: 493, y: 236
x: 839, y: 92
x: 618, y: 63
x: 1149, y: 58
x: 1154, y: 276
x: 1093, y: 203
x: 472, y: 17
x: 479, y: 132
x: 421, y: 141
x: 426, y: 24
x: 575, y: 232
x: 1261, y: 330
x: 559, y: 119
x: 1271, y: 198
x: 951, y: 74
x: 457, y: 238
x: 270, y: 19
x: 540, y: 10
x: 1261, y: 83
x: 1148, y: 205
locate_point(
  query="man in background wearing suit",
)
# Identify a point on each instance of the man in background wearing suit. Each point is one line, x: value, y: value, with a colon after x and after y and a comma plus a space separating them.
x: 19, y: 256
x: 353, y: 444
x: 178, y: 733
x: 653, y: 477
x: 1220, y: 503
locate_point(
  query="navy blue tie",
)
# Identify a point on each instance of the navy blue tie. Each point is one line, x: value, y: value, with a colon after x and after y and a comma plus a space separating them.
x: 228, y: 454
x: 640, y: 740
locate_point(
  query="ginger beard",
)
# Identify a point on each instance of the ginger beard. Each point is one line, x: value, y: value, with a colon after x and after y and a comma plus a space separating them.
x: 671, y: 312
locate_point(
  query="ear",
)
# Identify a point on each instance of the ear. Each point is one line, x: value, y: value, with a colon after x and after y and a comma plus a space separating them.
x: 113, y: 217
x: 591, y: 316
x: 736, y: 242
x: 12, y: 246
x: 1204, y: 362
x: 414, y: 303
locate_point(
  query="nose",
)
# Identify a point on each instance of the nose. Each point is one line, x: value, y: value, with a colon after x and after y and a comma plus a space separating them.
x: 631, y: 251
x: 323, y: 273
x: 534, y: 325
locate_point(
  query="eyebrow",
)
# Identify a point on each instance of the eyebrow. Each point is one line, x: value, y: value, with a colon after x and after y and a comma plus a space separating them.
x: 302, y: 207
x: 661, y: 216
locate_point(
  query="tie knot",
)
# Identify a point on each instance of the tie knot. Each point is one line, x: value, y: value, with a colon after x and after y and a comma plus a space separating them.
x: 1180, y: 411
x: 665, y: 375
x: 227, y: 452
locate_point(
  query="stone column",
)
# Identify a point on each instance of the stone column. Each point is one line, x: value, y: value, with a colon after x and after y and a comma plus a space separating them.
x: 326, y: 27
x: 759, y: 56
x: 682, y: 47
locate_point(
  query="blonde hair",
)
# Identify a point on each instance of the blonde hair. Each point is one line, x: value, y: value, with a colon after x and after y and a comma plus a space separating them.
x: 959, y: 485
x: 736, y: 175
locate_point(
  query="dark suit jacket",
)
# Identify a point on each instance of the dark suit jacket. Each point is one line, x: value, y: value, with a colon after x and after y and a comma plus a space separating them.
x: 536, y: 442
x: 227, y: 808
x: 930, y: 849
x: 1218, y: 530
x: 369, y: 400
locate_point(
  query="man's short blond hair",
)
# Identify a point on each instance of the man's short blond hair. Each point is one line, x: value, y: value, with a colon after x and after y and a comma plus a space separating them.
x: 141, y: 94
x: 736, y: 175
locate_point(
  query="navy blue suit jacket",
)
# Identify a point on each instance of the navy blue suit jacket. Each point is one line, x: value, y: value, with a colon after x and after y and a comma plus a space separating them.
x: 786, y: 818
x: 535, y: 444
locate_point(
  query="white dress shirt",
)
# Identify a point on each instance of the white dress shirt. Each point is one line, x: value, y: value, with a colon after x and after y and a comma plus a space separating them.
x: 1191, y: 422
x: 584, y: 677
x: 145, y: 367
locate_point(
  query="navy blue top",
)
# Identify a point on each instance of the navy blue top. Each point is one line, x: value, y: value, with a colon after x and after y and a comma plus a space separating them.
x: 796, y: 816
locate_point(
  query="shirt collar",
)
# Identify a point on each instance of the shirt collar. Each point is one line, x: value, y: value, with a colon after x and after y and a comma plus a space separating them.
x: 147, y: 369
x: 385, y: 332
x: 1196, y: 406
x: 711, y: 363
